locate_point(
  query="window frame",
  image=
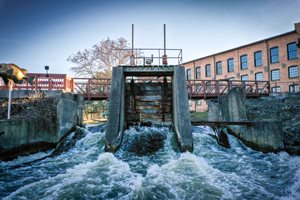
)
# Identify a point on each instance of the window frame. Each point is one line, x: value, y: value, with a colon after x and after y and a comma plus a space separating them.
x: 276, y: 88
x: 242, y: 63
x: 228, y: 65
x: 272, y: 79
x: 258, y: 73
x: 293, y: 85
x: 196, y: 72
x: 246, y: 75
x: 219, y: 68
x: 188, y: 75
x: 288, y: 52
x: 296, y: 66
x: 208, y: 66
x: 256, y: 59
x: 271, y: 56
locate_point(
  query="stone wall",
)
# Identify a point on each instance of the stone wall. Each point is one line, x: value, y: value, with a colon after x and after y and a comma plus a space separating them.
x: 26, y: 135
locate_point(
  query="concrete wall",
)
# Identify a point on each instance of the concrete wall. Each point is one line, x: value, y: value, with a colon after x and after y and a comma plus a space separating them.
x: 116, y: 118
x: 181, y: 113
x: 21, y: 136
x: 263, y: 135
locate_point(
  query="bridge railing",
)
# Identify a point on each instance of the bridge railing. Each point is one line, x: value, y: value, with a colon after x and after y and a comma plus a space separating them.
x: 92, y: 88
x: 44, y: 82
x: 214, y: 88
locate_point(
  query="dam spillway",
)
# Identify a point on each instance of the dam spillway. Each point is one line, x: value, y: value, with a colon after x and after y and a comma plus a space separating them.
x: 132, y: 101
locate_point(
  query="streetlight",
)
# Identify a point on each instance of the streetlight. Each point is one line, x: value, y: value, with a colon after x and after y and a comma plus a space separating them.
x: 47, y: 68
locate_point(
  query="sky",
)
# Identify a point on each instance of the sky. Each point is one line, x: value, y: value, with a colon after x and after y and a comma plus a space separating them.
x: 35, y: 33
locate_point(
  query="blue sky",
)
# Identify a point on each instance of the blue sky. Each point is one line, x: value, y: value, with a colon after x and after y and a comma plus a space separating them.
x: 35, y: 33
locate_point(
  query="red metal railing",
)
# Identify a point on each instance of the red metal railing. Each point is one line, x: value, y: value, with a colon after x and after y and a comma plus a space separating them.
x: 45, y: 83
x: 92, y: 88
x: 98, y: 89
x: 205, y: 89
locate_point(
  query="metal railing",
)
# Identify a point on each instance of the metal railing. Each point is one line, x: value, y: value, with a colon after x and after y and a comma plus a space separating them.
x: 98, y: 89
x: 154, y: 56
x: 205, y: 89
x: 92, y: 88
x: 44, y: 82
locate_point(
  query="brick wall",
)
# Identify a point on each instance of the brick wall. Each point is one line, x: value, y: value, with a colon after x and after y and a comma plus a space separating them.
x: 264, y: 46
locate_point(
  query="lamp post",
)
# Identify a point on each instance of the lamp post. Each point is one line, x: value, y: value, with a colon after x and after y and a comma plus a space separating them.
x: 47, y: 68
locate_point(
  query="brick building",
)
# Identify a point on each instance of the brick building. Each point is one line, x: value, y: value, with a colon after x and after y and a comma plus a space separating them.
x: 275, y: 59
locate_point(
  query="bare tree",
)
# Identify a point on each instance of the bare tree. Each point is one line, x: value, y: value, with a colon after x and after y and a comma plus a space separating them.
x: 100, y: 58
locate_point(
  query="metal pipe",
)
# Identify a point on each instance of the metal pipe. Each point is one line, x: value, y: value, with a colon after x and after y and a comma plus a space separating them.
x: 165, y: 58
x: 132, y: 39
x: 132, y: 59
x: 165, y: 53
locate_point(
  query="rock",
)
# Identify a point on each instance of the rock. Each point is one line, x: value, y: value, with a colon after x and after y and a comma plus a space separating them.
x: 68, y: 142
x: 147, y: 143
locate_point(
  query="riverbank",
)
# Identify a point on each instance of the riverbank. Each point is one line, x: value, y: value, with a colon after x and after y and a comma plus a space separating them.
x: 38, y: 122
x: 284, y: 108
x: 272, y: 124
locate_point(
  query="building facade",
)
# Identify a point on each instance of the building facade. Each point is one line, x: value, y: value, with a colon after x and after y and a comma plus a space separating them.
x: 274, y: 59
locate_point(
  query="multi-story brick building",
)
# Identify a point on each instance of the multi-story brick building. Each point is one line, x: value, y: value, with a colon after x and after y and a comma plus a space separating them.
x: 275, y: 59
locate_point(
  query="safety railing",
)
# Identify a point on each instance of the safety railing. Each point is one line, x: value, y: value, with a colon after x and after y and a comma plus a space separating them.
x: 205, y: 89
x: 45, y: 82
x: 92, y: 88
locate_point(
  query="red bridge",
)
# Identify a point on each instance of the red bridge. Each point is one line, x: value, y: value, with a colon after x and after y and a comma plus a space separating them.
x: 98, y: 89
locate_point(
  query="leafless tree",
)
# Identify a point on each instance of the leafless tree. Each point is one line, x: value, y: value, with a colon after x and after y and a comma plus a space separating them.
x: 100, y: 58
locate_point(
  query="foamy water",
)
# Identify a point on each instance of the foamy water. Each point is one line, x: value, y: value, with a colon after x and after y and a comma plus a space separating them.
x: 210, y: 172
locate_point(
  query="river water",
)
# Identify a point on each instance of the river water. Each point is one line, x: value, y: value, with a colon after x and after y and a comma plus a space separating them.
x: 211, y: 172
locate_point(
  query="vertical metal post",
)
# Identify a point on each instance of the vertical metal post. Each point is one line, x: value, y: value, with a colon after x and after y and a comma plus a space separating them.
x: 10, y: 88
x: 132, y: 61
x: 165, y: 58
x: 165, y: 53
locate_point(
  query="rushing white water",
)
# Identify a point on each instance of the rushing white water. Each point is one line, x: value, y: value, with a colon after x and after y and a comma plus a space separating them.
x: 210, y: 172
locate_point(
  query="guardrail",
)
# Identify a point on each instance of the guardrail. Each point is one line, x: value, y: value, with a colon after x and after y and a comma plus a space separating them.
x: 205, y: 89
x: 98, y: 89
x: 44, y: 82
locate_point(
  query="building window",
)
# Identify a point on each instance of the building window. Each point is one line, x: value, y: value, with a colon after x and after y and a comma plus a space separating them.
x: 292, y: 51
x: 197, y: 88
x: 275, y: 75
x: 198, y: 102
x: 276, y: 89
x: 294, y: 88
x: 219, y: 67
x: 188, y: 74
x: 244, y: 78
x: 230, y: 65
x: 207, y: 70
x: 244, y: 62
x: 274, y: 55
x: 258, y: 58
x: 259, y: 76
x: 293, y: 72
x: 208, y: 86
x: 198, y: 72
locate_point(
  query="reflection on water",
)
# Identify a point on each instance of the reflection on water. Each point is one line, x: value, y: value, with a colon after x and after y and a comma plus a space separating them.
x: 210, y: 172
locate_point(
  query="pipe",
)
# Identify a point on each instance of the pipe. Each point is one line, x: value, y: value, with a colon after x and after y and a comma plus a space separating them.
x: 132, y: 39
x: 10, y: 88
x: 165, y: 52
x: 132, y: 59
x: 164, y: 57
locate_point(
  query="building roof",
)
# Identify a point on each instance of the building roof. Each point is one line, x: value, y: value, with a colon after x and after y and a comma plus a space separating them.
x: 246, y: 45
